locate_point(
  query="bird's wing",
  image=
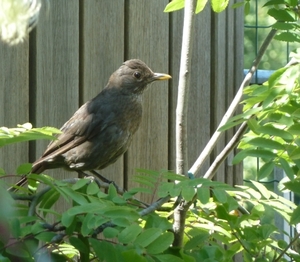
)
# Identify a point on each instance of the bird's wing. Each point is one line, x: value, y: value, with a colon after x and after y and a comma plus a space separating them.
x: 80, y: 127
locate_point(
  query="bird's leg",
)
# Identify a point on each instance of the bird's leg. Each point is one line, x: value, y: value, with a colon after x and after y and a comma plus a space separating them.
x: 104, y: 179
x: 81, y: 174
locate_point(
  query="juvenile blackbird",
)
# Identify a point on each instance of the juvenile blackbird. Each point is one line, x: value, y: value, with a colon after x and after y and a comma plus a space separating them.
x: 101, y: 130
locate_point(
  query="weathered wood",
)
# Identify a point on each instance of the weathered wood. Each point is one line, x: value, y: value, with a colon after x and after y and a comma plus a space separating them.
x: 78, y: 44
x: 57, y: 69
x: 238, y: 76
x: 103, y: 52
x: 218, y: 82
x: 148, y: 39
x: 14, y: 101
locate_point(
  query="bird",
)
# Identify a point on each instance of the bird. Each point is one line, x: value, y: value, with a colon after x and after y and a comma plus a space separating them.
x: 101, y: 130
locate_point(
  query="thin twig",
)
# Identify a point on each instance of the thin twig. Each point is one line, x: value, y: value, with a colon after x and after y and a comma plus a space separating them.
x: 287, y: 247
x: 232, y: 108
x: 225, y: 152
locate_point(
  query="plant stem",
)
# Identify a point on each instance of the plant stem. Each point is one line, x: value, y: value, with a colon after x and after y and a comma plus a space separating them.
x: 183, y: 89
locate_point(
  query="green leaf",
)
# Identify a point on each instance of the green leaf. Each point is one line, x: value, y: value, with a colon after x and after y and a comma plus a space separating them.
x: 46, y: 236
x: 67, y: 219
x: 265, y: 154
x: 262, y: 189
x: 282, y: 15
x: 266, y: 170
x: 75, y: 196
x: 200, y: 5
x: 294, y: 129
x: 247, y: 8
x: 273, y: 131
x: 112, y: 191
x: 163, y: 242
x: 295, y: 154
x: 275, y: 2
x: 220, y: 195
x: 87, y: 224
x: 132, y: 255
x: 253, y: 125
x: 96, y: 208
x: 168, y: 258
x: 92, y: 188
x: 110, y: 232
x: 174, y: 6
x: 4, y: 259
x: 188, y: 193
x: 203, y: 194
x: 293, y: 185
x: 148, y: 236
x: 121, y: 221
x: 197, y: 240
x: 287, y: 168
x: 24, y: 169
x: 276, y: 76
x: 79, y: 244
x: 230, y: 124
x: 287, y: 37
x: 129, y: 234
x: 105, y: 251
x: 116, y: 212
x: 295, y: 218
x: 80, y: 183
x: 265, y: 143
x: 49, y: 199
x: 219, y: 5
x: 237, y: 5
x: 283, y: 26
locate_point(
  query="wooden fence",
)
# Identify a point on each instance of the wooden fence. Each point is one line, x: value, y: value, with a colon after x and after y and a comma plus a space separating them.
x: 79, y: 43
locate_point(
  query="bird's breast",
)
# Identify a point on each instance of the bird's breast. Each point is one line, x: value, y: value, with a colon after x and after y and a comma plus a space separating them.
x: 131, y: 115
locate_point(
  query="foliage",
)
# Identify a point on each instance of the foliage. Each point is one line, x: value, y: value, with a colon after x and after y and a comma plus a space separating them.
x: 217, y: 5
x: 222, y: 221
x: 111, y: 227
x: 24, y: 133
x: 272, y: 114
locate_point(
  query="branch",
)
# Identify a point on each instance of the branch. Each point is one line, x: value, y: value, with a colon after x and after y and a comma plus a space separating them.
x: 287, y: 247
x: 225, y: 152
x: 232, y: 108
x: 183, y: 89
x: 181, y: 116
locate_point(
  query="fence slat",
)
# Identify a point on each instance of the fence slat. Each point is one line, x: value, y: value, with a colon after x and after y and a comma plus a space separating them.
x: 14, y: 101
x: 78, y: 44
x: 148, y: 40
x: 57, y: 69
x: 103, y: 53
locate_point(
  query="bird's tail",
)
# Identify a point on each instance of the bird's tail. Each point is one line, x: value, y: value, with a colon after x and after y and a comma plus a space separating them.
x: 37, y: 168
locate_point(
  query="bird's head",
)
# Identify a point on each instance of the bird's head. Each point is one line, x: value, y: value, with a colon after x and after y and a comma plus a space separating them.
x: 134, y: 76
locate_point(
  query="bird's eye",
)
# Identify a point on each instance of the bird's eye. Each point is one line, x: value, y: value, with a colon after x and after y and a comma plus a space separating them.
x: 137, y: 75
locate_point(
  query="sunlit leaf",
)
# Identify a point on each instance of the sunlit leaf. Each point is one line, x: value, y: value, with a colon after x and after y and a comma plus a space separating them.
x: 262, y: 189
x: 265, y: 143
x: 200, y: 5
x: 129, y: 234
x: 161, y: 243
x: 219, y: 5
x: 282, y: 15
x: 174, y: 5
x: 295, y: 218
